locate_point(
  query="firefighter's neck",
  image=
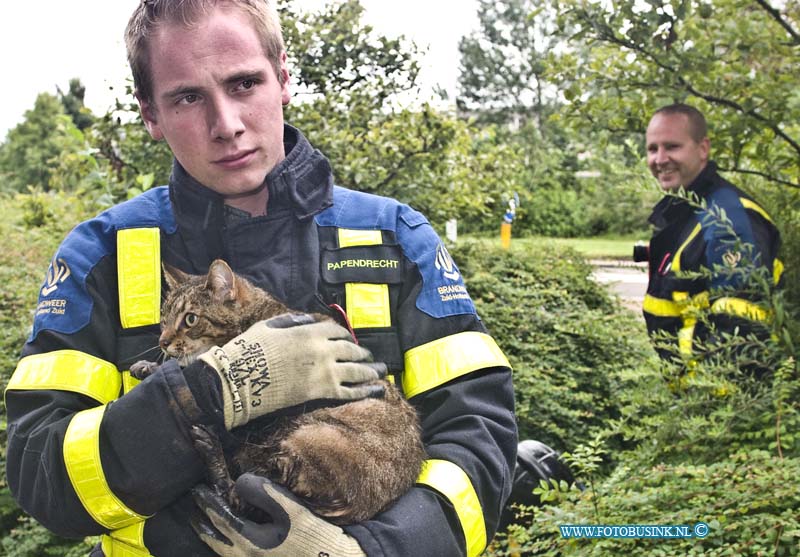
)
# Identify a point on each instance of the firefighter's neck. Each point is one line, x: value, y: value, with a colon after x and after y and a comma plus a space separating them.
x: 252, y: 202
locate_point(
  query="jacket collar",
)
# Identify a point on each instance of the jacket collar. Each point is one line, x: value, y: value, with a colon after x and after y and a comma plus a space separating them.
x: 670, y: 206
x: 702, y: 183
x: 301, y: 182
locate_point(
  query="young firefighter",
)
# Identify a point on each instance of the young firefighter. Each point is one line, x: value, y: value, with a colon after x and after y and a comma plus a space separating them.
x: 90, y: 453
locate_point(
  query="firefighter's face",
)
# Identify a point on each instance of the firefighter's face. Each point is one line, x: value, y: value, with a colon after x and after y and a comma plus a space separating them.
x: 217, y: 100
x: 674, y: 157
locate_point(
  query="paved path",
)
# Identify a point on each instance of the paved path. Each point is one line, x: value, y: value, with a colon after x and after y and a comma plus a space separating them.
x: 626, y: 279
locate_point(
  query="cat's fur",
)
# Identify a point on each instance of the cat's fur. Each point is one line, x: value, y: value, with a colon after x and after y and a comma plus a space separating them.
x: 346, y: 462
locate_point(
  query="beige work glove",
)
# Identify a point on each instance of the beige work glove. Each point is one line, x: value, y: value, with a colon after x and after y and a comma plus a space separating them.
x: 293, y: 530
x: 289, y: 360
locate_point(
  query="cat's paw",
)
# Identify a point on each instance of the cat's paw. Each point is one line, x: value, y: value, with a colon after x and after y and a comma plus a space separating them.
x: 143, y: 369
x: 205, y: 440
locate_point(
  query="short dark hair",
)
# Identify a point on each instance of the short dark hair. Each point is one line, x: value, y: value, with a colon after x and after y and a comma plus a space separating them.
x: 151, y: 13
x: 698, y: 128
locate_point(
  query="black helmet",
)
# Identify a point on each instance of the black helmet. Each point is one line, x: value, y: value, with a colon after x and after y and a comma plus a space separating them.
x: 535, y: 461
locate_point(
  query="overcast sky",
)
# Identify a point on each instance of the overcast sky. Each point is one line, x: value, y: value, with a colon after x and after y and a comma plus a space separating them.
x: 44, y: 43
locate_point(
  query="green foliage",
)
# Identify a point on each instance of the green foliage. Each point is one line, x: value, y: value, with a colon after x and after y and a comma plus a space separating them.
x: 569, y: 183
x: 105, y: 163
x: 749, y: 501
x: 334, y: 53
x: 736, y: 66
x: 566, y: 339
x: 33, y: 147
x: 29, y: 539
x: 36, y: 209
x: 350, y: 84
x: 709, y: 440
x: 421, y: 157
x: 502, y: 65
x: 72, y: 100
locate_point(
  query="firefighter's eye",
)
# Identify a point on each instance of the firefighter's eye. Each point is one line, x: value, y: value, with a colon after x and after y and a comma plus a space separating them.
x: 190, y: 319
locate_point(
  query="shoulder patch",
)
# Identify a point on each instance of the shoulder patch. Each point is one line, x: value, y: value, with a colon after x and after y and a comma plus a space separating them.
x: 65, y: 304
x: 443, y: 290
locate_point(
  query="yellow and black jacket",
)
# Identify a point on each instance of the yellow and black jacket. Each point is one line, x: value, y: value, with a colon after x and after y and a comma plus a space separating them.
x: 724, y: 233
x: 90, y: 452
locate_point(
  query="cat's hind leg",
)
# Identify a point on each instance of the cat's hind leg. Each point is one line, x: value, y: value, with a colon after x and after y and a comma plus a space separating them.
x: 218, y: 477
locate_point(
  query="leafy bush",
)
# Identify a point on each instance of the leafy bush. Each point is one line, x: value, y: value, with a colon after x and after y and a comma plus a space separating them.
x: 749, y: 500
x: 568, y: 341
x: 28, y: 539
x: 710, y: 442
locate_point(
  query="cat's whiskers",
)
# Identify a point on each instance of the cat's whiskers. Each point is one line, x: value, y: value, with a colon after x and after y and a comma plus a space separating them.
x: 141, y: 354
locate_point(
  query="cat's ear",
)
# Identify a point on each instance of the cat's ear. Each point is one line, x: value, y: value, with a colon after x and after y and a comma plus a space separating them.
x: 174, y: 276
x: 221, y: 281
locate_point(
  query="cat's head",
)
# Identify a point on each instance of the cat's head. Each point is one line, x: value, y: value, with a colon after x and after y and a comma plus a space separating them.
x: 202, y: 311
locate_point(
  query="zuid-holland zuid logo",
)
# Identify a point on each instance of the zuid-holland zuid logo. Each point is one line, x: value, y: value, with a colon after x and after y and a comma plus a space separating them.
x: 445, y: 264
x: 57, y: 273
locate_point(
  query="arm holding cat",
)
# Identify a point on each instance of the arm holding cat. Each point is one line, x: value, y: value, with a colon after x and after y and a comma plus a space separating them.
x: 64, y: 399
x: 460, y: 384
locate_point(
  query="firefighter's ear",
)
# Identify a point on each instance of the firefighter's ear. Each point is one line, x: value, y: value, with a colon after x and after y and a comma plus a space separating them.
x: 174, y: 276
x: 148, y: 111
x: 221, y: 281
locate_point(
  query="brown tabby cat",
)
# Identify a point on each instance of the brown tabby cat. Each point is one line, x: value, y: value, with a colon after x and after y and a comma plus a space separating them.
x: 346, y: 462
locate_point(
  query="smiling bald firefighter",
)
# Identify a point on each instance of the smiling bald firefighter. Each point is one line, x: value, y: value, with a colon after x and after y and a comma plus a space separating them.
x: 707, y: 246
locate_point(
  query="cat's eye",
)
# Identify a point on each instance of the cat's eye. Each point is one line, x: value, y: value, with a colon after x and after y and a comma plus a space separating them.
x: 190, y: 319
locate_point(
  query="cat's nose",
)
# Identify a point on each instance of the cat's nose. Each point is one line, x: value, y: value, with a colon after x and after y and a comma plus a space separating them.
x: 163, y: 343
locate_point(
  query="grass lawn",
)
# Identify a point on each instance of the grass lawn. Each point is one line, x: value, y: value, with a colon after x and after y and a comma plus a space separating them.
x: 592, y: 248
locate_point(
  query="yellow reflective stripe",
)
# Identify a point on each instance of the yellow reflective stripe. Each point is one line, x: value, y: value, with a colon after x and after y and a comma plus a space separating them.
x: 686, y: 336
x: 680, y: 297
x: 82, y: 459
x: 777, y: 265
x: 660, y: 307
x: 454, y: 484
x: 753, y: 206
x: 740, y: 308
x: 68, y: 370
x: 435, y: 363
x: 367, y: 304
x: 680, y: 306
x: 777, y: 270
x: 676, y: 260
x: 699, y: 300
x: 350, y: 237
x: 128, y: 382
x: 126, y: 542
x: 139, y: 272
x: 690, y: 306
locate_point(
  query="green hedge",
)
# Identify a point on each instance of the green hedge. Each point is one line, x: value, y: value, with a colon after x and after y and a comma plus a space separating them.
x: 717, y: 445
x: 568, y: 341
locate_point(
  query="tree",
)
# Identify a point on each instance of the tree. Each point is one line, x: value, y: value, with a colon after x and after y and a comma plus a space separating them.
x: 33, y: 147
x: 352, y: 84
x: 334, y: 53
x: 737, y: 60
x: 563, y: 173
x: 72, y: 100
x: 502, y: 65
